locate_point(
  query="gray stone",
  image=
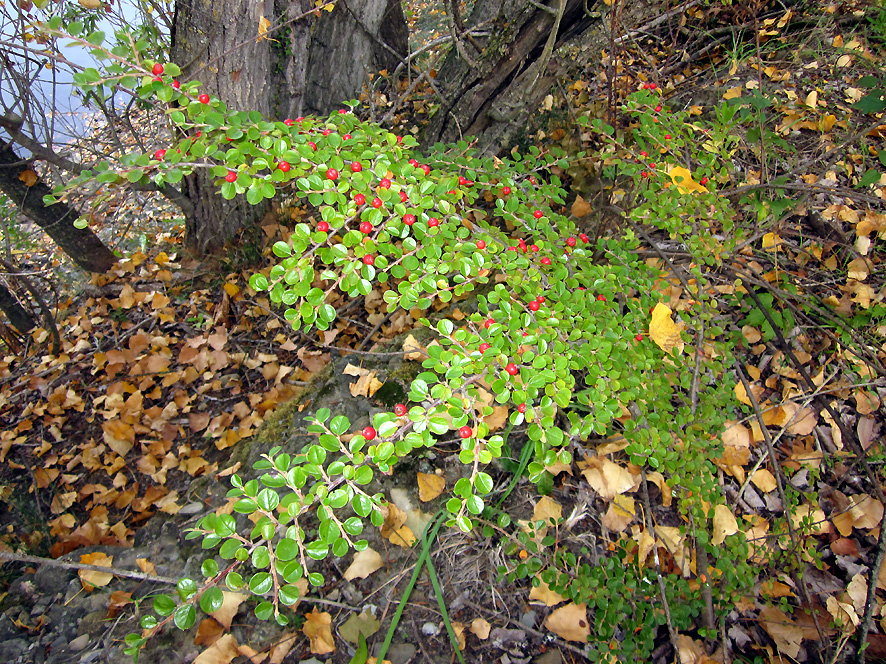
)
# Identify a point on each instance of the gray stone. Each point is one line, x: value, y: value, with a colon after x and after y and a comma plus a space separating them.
x: 7, y: 629
x: 550, y: 657
x: 52, y: 580
x: 400, y: 653
x: 79, y: 643
x: 528, y: 619
x: 11, y: 650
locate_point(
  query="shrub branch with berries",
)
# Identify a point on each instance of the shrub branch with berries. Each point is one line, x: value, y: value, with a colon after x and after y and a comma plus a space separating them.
x: 559, y: 335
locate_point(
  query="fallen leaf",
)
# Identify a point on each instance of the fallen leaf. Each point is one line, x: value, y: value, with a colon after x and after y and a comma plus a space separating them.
x: 230, y: 605
x: 620, y: 514
x: 543, y: 593
x: 412, y: 349
x: 764, y: 480
x: 682, y: 178
x: 580, y: 207
x: 222, y: 651
x: 663, y: 330
x: 570, y: 622
x: 318, y: 629
x: 365, y: 624
x: 546, y: 509
x: 480, y: 628
x: 607, y: 478
x: 724, y: 524
x: 780, y: 627
x: 365, y: 563
x: 430, y: 486
x: 91, y: 578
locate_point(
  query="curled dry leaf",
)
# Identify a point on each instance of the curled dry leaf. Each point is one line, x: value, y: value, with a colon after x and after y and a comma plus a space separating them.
x: 318, y: 629
x: 546, y: 509
x: 620, y: 514
x: 781, y: 628
x: 543, y: 593
x: 607, y: 478
x: 663, y: 330
x: 90, y: 578
x: 430, y: 486
x: 365, y: 563
x: 764, y: 480
x: 724, y: 524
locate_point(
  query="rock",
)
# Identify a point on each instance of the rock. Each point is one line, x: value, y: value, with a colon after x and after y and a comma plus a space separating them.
x: 528, y: 619
x: 93, y: 623
x: 11, y: 650
x: 79, y: 643
x: 550, y: 657
x: 430, y: 629
x: 7, y: 629
x: 53, y: 580
x: 400, y: 653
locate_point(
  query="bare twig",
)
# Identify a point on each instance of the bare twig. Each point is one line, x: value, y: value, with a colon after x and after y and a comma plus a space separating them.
x: 53, y: 562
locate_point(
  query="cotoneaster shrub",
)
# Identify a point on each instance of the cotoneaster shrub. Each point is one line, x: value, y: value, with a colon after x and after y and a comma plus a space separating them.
x: 560, y: 334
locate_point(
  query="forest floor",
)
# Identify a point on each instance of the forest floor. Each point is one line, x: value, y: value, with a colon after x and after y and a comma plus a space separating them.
x: 169, y: 366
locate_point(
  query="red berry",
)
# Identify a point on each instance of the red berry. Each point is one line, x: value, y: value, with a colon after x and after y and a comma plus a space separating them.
x: 601, y: 298
x: 570, y: 242
x: 159, y: 154
x: 369, y: 259
x: 157, y: 69
x: 639, y: 337
x: 538, y: 214
x: 469, y: 184
x: 176, y: 84
x: 342, y: 111
x: 426, y: 169
x: 326, y: 132
x: 409, y: 219
x: 158, y: 78
x: 646, y: 86
x: 658, y: 109
x: 704, y: 180
x: 512, y: 248
x: 332, y: 174
x: 667, y: 137
x: 365, y: 227
x: 462, y: 180
x: 644, y: 153
x: 484, y: 347
x: 652, y: 165
x: 413, y: 162
x: 512, y: 369
x: 534, y: 248
x: 521, y: 408
x: 231, y: 176
x: 540, y: 298
x: 532, y: 179
x: 204, y: 99
x: 288, y: 122
x: 481, y: 244
x: 534, y: 305
x: 369, y: 433
x: 545, y: 261
x: 359, y: 199
x: 299, y: 120
x: 652, y: 86
x: 466, y: 432
x: 346, y: 137
x: 323, y: 227
x: 399, y: 410
x: 433, y: 222
x: 584, y: 238
x: 644, y: 174
x: 399, y: 139
x: 385, y: 183
x: 284, y: 166
x: 488, y: 323
x: 356, y: 166
x: 199, y: 134
x: 377, y: 203
x: 403, y: 197
x: 313, y: 145
x: 505, y: 191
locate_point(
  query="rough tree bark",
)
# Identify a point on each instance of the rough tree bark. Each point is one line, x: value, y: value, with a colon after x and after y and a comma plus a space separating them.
x: 489, y: 86
x: 81, y: 244
x: 310, y: 65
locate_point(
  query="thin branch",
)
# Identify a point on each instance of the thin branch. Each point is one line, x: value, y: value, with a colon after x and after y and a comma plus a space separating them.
x: 53, y: 562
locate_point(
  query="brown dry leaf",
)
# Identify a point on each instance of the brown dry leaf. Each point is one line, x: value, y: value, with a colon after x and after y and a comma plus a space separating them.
x: 222, y: 651
x: 367, y: 384
x: 318, y: 629
x: 278, y: 651
x: 365, y: 563
x: 815, y: 515
x: 857, y: 591
x: 546, y: 509
x: 570, y: 622
x: 607, y: 478
x: 119, y: 436
x: 90, y: 578
x: 751, y: 334
x: 497, y: 418
x: 480, y: 628
x: 780, y: 627
x: 620, y: 514
x: 208, y: 632
x: 263, y: 25
x: 412, y: 349
x: 145, y: 565
x: 663, y: 330
x: 843, y: 613
x: 29, y: 177
x: 691, y: 651
x: 862, y: 511
x: 430, y: 486
x: 459, y: 630
x: 580, y: 207
x: 667, y: 496
x: 736, y: 435
x: 230, y: 605
x: 764, y: 480
x: 724, y: 524
x: 543, y: 593
x: 394, y: 528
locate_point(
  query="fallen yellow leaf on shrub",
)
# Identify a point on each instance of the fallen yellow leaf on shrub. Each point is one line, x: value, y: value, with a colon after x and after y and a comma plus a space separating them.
x: 663, y: 330
x: 570, y: 622
x: 318, y: 629
x: 90, y: 578
x: 683, y: 179
x: 430, y: 486
x: 480, y: 628
x: 365, y: 563
x: 724, y: 524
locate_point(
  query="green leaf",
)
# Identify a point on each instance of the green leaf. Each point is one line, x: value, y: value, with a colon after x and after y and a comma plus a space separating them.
x: 212, y: 599
x: 164, y: 605
x: 185, y: 616
x: 317, y: 550
x: 287, y: 549
x: 282, y: 249
x: 261, y: 583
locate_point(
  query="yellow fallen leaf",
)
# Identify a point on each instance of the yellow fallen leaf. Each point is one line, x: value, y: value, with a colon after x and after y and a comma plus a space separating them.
x: 732, y: 93
x: 263, y: 25
x: 365, y: 563
x: 570, y: 622
x: 230, y: 605
x: 480, y: 628
x: 620, y: 514
x: 546, y: 509
x: 771, y: 241
x: 764, y: 480
x: 682, y: 178
x: 781, y: 628
x: 459, y: 630
x: 580, y: 207
x: 318, y: 629
x: 724, y: 524
x: 90, y: 578
x: 663, y: 330
x: 607, y: 478
x: 90, y: 4
x: 543, y: 593
x: 430, y: 486
x: 222, y: 651
x: 412, y: 349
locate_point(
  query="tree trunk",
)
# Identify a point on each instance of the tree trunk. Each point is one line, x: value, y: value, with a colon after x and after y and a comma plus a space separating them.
x: 489, y: 94
x: 81, y: 244
x: 18, y: 316
x: 310, y: 65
